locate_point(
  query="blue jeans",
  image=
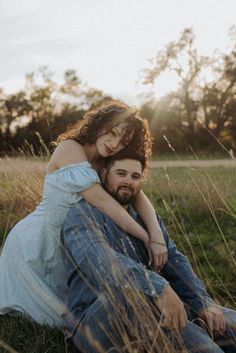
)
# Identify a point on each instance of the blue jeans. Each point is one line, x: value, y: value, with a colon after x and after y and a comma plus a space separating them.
x: 99, y: 317
x: 101, y: 327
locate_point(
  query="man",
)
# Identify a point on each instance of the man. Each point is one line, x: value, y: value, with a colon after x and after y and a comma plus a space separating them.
x: 115, y: 302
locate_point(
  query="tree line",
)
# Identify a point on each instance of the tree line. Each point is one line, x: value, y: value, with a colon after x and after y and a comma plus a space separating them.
x: 200, y: 114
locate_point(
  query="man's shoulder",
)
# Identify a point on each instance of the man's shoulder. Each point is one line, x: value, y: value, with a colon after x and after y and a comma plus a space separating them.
x: 83, y: 210
x: 83, y: 206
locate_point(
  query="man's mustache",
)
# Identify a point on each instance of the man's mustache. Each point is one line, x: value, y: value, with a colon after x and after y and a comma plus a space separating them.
x: 126, y: 187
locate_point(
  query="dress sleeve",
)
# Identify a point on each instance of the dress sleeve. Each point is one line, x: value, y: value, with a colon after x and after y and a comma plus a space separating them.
x: 74, y: 177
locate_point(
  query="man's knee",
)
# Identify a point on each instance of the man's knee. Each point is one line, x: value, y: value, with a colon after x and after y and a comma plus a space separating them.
x: 197, y: 340
x: 100, y: 326
x: 230, y: 318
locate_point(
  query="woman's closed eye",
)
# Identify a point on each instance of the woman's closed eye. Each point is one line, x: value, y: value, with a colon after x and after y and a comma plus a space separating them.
x: 125, y: 140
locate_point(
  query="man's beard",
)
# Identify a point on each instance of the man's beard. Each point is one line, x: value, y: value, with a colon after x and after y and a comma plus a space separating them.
x: 123, y: 199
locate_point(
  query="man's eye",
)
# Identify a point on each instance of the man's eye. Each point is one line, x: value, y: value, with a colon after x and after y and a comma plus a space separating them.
x: 135, y: 177
x: 121, y: 174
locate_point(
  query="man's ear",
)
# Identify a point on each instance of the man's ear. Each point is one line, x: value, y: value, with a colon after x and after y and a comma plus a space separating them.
x: 103, y: 174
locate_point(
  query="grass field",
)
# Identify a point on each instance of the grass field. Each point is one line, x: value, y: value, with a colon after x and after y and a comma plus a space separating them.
x: 198, y: 206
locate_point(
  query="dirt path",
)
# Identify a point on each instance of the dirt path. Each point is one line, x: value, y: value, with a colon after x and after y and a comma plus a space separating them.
x: 10, y: 164
x: 13, y: 164
x: 227, y: 163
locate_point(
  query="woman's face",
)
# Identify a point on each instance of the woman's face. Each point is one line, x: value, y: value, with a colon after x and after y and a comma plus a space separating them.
x: 111, y: 142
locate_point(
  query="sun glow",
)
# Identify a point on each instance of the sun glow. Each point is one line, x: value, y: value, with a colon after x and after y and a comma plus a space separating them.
x: 166, y: 83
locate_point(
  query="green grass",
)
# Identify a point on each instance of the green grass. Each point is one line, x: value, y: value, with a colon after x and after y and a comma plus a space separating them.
x: 210, y: 247
x: 199, y: 209
x: 198, y: 190
x: 24, y: 336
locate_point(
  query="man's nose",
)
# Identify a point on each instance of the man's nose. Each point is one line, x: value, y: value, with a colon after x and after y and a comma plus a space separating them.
x: 128, y: 180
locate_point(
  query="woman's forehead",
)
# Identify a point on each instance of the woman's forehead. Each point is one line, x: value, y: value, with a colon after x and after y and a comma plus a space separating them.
x: 120, y: 127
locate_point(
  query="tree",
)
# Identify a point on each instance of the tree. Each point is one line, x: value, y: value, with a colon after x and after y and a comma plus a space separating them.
x: 205, y: 107
x: 13, y: 108
x: 50, y: 108
x: 182, y: 58
x: 164, y: 117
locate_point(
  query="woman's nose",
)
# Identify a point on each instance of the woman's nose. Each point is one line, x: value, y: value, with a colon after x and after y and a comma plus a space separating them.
x: 115, y: 142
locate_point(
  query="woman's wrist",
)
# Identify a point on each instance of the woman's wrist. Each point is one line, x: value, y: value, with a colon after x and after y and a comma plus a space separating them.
x: 157, y: 236
x: 145, y: 238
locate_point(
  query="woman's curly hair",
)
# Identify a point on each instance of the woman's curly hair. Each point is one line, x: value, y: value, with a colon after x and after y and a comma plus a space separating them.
x: 103, y: 118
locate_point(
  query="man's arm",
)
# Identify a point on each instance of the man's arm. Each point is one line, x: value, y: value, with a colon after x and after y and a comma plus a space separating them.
x: 84, y: 236
x: 179, y: 272
x: 180, y: 275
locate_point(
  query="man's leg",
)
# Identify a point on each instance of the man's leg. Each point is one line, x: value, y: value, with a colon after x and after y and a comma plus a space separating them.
x: 112, y: 325
x: 95, y: 332
x: 197, y: 340
x: 230, y: 317
x: 228, y: 340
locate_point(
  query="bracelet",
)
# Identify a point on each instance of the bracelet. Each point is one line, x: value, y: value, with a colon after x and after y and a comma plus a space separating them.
x: 157, y: 242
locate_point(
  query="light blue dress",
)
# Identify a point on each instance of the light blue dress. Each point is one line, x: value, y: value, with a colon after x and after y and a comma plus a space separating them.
x: 32, y: 263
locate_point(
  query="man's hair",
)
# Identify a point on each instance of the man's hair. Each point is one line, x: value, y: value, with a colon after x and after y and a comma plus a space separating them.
x: 125, y: 154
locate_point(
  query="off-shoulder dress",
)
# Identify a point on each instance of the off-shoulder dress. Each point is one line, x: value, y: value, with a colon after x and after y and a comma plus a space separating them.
x: 32, y: 262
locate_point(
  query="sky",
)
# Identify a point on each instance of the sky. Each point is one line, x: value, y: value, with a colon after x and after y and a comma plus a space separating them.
x: 107, y: 42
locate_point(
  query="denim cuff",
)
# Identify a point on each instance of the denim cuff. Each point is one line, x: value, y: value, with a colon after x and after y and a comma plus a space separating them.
x: 201, y: 303
x: 158, y: 284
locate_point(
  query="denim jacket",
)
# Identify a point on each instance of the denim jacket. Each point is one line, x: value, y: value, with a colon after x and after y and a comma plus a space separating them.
x: 99, y: 254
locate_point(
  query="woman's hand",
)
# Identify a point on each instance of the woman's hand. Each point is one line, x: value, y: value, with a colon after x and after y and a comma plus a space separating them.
x: 157, y: 253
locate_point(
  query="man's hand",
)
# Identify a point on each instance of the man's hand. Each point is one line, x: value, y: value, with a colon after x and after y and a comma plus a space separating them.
x: 172, y: 309
x: 158, y: 254
x: 214, y: 320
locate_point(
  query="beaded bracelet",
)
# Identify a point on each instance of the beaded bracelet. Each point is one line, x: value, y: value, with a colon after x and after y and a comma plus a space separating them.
x: 157, y: 242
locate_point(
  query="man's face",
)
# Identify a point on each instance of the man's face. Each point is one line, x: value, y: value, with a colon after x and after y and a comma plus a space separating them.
x: 123, y: 180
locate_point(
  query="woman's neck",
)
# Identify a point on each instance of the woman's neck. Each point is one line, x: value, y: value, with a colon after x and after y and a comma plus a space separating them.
x: 91, y: 153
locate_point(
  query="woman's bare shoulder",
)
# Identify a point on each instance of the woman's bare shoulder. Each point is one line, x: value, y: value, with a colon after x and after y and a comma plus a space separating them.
x: 66, y: 153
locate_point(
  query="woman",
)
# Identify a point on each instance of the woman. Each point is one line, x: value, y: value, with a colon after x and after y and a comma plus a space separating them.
x: 32, y: 268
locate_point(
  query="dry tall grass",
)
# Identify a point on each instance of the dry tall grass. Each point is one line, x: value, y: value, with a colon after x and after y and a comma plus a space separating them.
x: 21, y: 183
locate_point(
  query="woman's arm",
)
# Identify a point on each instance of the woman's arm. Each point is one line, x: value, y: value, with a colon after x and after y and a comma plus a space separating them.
x: 157, y: 246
